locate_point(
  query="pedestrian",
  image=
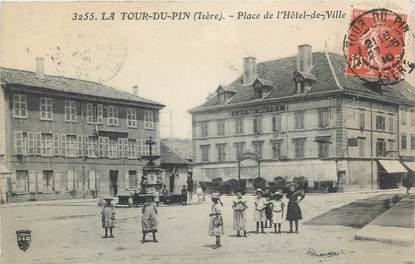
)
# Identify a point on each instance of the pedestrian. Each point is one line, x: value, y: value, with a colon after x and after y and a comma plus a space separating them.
x: 184, y: 195
x: 216, y: 219
x: 293, y: 209
x: 239, y: 222
x: 277, y: 206
x: 190, y: 189
x: 407, y: 183
x: 165, y: 194
x: 199, y: 193
x: 259, y: 213
x: 108, y: 216
x: 149, y: 218
x: 268, y: 209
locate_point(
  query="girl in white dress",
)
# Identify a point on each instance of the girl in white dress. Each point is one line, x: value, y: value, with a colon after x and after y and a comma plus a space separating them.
x: 277, y: 206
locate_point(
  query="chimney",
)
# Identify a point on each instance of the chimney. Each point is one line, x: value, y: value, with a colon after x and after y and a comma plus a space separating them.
x: 304, y: 58
x: 250, y: 73
x: 40, y: 68
x: 135, y: 90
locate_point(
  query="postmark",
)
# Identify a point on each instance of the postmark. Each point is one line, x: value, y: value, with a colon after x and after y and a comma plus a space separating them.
x: 375, y: 46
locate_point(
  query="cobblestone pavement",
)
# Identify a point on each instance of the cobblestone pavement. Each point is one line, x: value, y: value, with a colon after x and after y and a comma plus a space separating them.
x: 70, y: 232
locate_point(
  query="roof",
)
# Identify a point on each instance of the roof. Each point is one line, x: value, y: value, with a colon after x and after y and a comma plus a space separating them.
x: 329, y: 71
x: 227, y: 88
x: 182, y: 146
x: 69, y: 85
x: 170, y: 156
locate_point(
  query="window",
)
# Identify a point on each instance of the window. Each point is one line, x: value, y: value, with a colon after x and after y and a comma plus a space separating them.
x: 123, y: 147
x: 91, y: 146
x: 19, y: 106
x: 221, y: 96
x: 239, y: 149
x: 323, y: 149
x: 403, y: 141
x: 22, y: 181
x: 112, y: 148
x: 258, y: 146
x: 221, y: 152
x: 47, y: 181
x: 205, y: 152
x: 412, y: 142
x: 404, y: 114
x: 71, y: 145
x: 361, y: 142
x: 221, y: 127
x: 204, y: 129
x: 239, y: 126
x: 362, y: 120
x: 91, y: 117
x: 70, y: 111
x: 276, y: 123
x: 412, y: 117
x: 131, y: 117
x: 132, y: 179
x: 20, y: 141
x: 257, y: 125
x: 323, y: 118
x: 47, y: 147
x: 103, y: 145
x: 276, y: 149
x: 391, y: 124
x: 299, y: 120
x: 380, y: 123
x: 46, y: 109
x: 380, y: 148
x: 112, y: 115
x: 100, y: 114
x: 148, y: 120
x: 299, y: 148
x: 31, y: 143
x: 300, y: 85
x: 132, y: 148
x: 391, y: 145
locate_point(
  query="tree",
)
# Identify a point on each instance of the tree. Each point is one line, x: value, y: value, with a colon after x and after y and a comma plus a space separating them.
x: 259, y: 183
x: 233, y: 185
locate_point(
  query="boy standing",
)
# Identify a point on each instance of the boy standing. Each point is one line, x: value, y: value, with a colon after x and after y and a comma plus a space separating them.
x: 216, y: 220
x: 108, y: 216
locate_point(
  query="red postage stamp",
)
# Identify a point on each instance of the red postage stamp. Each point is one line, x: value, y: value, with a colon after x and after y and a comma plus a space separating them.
x: 375, y: 45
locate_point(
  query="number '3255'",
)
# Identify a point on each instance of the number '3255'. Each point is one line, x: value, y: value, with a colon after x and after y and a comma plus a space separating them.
x: 83, y: 16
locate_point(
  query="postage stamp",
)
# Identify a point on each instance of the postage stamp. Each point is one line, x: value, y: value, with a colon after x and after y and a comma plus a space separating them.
x: 375, y: 45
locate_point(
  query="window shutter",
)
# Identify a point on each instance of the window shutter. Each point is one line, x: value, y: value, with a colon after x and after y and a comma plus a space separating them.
x: 69, y: 180
x: 32, y: 181
x: 56, y: 144
x: 80, y: 145
x: 87, y: 147
x: 106, y: 146
x: 98, y: 180
x: 126, y: 149
x: 126, y: 180
x: 18, y: 141
x: 13, y: 180
x: 120, y: 147
x: 39, y: 143
x: 30, y: 143
x: 57, y: 182
x: 92, y: 180
x: 63, y: 144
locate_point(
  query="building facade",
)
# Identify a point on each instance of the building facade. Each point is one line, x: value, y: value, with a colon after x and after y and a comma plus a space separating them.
x: 301, y: 116
x: 69, y: 138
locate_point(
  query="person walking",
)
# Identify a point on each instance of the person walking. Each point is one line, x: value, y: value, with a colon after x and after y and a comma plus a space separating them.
x: 293, y: 209
x: 239, y: 222
x: 108, y: 216
x: 190, y: 189
x: 184, y: 195
x: 149, y: 218
x: 259, y: 213
x: 216, y: 219
x: 199, y: 192
x: 277, y: 206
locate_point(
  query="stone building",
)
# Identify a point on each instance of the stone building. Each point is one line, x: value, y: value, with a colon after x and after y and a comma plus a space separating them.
x: 302, y: 116
x: 70, y: 138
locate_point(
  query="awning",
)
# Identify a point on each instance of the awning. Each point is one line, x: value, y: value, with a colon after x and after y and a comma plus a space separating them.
x: 410, y: 165
x: 392, y: 166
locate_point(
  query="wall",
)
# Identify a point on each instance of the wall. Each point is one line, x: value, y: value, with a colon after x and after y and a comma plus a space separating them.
x: 408, y: 128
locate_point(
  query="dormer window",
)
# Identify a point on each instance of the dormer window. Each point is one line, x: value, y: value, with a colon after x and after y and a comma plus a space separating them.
x: 300, y: 86
x: 303, y: 82
x: 222, y: 97
x: 224, y: 93
x: 262, y: 88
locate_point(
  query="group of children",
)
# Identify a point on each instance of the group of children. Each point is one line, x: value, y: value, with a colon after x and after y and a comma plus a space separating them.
x: 271, y: 203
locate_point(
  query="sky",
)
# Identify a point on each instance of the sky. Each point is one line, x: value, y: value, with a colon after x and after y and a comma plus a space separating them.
x: 177, y: 63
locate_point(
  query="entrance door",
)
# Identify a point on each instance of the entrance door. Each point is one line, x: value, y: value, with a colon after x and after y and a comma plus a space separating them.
x: 113, y: 182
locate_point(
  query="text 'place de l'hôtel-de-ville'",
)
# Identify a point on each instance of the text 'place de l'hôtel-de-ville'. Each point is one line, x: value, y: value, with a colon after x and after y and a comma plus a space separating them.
x: 300, y: 116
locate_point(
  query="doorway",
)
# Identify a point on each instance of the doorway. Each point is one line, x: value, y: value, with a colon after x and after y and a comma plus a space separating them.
x: 113, y: 182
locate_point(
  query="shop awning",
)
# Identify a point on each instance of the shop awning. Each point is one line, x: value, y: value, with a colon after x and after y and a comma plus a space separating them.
x: 392, y: 166
x: 410, y: 165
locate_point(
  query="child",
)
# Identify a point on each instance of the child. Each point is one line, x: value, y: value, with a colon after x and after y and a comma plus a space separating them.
x: 268, y: 210
x: 277, y: 206
x: 259, y: 205
x: 108, y: 216
x: 239, y: 222
x: 293, y: 209
x: 216, y: 220
x: 149, y: 218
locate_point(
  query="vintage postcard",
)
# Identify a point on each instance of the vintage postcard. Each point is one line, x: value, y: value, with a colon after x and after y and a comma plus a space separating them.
x: 207, y: 132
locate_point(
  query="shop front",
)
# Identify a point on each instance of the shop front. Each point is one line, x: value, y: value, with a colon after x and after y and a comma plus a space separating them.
x: 390, y: 174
